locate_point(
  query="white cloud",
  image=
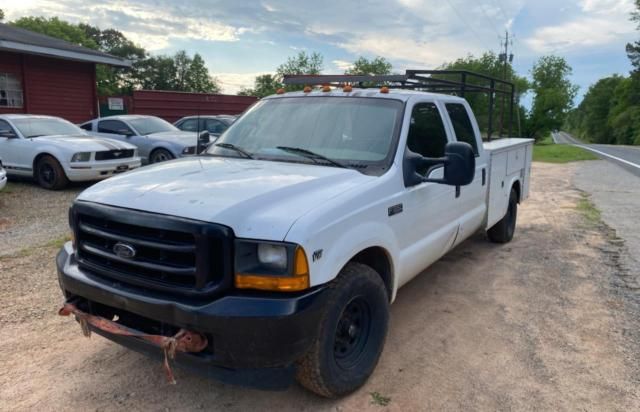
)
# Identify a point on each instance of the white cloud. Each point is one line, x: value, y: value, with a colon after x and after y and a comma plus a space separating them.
x: 342, y: 65
x: 602, y: 22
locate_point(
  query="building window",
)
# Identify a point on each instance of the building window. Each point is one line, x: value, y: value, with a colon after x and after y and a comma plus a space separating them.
x: 10, y: 90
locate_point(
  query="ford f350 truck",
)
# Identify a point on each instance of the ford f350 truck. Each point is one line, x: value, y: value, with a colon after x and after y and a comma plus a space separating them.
x: 277, y: 253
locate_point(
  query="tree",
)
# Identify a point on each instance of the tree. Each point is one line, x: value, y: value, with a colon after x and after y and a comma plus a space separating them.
x: 302, y: 63
x: 55, y: 27
x: 553, y: 96
x: 633, y: 49
x: 376, y: 66
x: 198, y: 77
x: 1, y: 15
x: 263, y: 85
x: 489, y: 64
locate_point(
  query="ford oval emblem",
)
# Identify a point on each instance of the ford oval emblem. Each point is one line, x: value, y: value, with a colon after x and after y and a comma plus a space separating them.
x: 124, y: 250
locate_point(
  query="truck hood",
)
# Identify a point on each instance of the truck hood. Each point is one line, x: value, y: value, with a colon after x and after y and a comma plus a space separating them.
x: 257, y: 199
x: 83, y: 143
x: 184, y: 138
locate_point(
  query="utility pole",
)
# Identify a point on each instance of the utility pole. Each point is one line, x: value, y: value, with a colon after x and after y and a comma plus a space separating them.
x: 505, y: 58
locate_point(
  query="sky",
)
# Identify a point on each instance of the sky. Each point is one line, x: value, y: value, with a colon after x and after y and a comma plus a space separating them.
x: 240, y: 39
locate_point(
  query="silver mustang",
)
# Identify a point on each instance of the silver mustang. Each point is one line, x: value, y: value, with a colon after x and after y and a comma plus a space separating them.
x: 157, y: 140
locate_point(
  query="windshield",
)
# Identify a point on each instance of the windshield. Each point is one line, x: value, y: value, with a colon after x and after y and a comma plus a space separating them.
x: 351, y: 130
x: 148, y: 125
x: 36, y: 127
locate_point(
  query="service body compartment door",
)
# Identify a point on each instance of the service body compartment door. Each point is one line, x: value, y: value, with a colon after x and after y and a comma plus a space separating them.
x: 498, y: 192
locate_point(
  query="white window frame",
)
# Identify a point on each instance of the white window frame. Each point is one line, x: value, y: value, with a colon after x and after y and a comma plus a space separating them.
x: 11, y: 84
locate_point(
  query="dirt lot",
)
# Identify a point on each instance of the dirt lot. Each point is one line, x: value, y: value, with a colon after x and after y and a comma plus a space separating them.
x: 540, y: 323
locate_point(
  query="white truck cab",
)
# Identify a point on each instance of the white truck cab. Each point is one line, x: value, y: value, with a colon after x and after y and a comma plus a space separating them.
x: 280, y: 249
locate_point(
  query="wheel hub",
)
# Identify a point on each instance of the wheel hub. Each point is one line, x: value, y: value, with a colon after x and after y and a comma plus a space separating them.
x: 352, y: 333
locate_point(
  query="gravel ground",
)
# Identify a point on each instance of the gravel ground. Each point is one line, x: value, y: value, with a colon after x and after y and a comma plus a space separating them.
x: 31, y: 216
x: 537, y: 324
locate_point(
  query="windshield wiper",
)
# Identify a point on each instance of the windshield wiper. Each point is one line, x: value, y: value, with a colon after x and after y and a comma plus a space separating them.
x: 235, y: 148
x: 311, y: 155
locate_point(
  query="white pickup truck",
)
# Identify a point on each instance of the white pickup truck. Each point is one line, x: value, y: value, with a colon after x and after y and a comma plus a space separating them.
x: 278, y: 251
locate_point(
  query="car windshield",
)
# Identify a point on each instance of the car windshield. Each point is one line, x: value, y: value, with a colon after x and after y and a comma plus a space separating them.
x: 149, y: 125
x: 36, y: 127
x: 349, y: 130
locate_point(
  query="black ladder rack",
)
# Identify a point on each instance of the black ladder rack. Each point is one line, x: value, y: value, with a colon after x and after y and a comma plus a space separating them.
x: 463, y: 82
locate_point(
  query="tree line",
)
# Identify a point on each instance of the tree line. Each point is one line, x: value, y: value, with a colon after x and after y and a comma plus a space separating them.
x: 180, y: 72
x: 610, y: 110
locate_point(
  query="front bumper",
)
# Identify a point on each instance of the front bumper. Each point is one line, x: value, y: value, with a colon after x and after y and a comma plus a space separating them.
x: 97, y: 170
x: 254, y: 339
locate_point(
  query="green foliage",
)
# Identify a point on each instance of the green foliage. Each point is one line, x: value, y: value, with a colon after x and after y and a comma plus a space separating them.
x: 264, y: 85
x: 560, y: 153
x: 55, y: 27
x: 302, y: 63
x: 379, y: 399
x: 1, y: 15
x: 489, y: 64
x: 553, y: 96
x: 633, y: 49
x: 376, y: 66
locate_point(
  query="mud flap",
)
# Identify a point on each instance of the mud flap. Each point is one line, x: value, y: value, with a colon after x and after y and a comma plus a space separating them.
x: 183, y: 341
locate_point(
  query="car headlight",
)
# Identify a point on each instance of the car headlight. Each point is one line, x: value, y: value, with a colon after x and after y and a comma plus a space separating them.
x: 189, y: 150
x: 81, y: 157
x: 270, y: 266
x: 135, y: 152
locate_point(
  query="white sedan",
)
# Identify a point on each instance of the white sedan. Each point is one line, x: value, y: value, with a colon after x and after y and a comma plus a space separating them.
x: 54, y: 151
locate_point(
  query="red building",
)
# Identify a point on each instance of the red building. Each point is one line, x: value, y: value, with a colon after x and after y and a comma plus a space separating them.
x: 44, y: 75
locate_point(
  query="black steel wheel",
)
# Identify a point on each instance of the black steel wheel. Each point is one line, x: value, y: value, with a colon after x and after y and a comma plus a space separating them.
x: 502, y: 232
x: 49, y: 174
x: 351, y: 334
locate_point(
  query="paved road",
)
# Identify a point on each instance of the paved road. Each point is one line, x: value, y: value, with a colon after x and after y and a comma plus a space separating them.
x: 625, y: 156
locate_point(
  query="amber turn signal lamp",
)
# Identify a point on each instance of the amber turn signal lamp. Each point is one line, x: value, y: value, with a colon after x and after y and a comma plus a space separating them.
x: 384, y: 89
x: 298, y: 281
x: 280, y: 91
x: 307, y: 89
x: 326, y: 88
x: 347, y: 88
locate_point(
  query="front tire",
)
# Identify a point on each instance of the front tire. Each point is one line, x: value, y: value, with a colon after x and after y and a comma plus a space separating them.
x: 502, y: 232
x: 49, y: 174
x: 160, y: 155
x: 351, y: 334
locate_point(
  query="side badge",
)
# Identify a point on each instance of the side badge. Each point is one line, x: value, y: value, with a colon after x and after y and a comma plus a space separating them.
x: 317, y: 255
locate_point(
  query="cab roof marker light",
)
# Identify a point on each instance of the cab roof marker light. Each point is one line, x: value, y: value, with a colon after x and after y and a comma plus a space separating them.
x: 347, y: 88
x: 280, y: 91
x: 326, y: 88
x: 307, y: 89
x: 384, y: 89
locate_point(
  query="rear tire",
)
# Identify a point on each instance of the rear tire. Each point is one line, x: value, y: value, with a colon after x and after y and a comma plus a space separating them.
x: 160, y: 155
x: 351, y: 336
x: 49, y: 174
x: 502, y: 232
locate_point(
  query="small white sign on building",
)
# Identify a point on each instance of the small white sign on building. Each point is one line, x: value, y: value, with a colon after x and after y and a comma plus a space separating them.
x: 116, y: 103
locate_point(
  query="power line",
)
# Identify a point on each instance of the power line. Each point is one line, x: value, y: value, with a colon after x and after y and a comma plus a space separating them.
x: 499, y: 6
x: 490, y: 20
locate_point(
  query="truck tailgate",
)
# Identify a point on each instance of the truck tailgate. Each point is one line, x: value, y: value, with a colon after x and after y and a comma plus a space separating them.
x: 509, y: 161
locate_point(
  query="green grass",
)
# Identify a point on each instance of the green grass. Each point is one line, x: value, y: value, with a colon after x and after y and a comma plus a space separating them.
x: 378, y: 399
x: 588, y: 210
x: 547, y: 151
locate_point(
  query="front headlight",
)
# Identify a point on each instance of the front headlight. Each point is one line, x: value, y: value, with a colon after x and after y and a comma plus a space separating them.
x: 189, y: 150
x: 270, y: 266
x: 81, y: 157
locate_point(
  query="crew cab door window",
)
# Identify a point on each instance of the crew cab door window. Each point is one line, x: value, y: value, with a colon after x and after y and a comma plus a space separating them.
x: 215, y: 126
x: 189, y: 125
x: 427, y: 135
x: 462, y: 125
x: 87, y: 126
x: 114, y: 127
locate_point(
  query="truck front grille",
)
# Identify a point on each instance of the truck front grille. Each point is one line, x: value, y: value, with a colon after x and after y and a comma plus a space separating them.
x: 157, y: 252
x: 114, y: 154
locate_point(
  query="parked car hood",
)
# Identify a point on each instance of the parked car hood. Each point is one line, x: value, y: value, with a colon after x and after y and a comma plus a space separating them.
x: 257, y: 199
x: 84, y: 143
x: 185, y: 138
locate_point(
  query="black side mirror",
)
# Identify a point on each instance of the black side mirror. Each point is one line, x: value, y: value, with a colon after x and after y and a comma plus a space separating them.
x: 459, y: 163
x: 203, y: 141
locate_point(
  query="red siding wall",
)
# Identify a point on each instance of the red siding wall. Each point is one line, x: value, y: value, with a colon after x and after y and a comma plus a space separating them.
x: 171, y: 106
x: 60, y: 88
x: 53, y: 87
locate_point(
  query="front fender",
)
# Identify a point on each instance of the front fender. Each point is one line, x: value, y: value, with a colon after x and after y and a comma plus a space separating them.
x: 338, y: 247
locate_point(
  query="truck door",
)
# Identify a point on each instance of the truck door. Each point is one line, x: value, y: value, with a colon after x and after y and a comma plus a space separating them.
x: 471, y: 203
x: 16, y: 153
x: 428, y: 222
